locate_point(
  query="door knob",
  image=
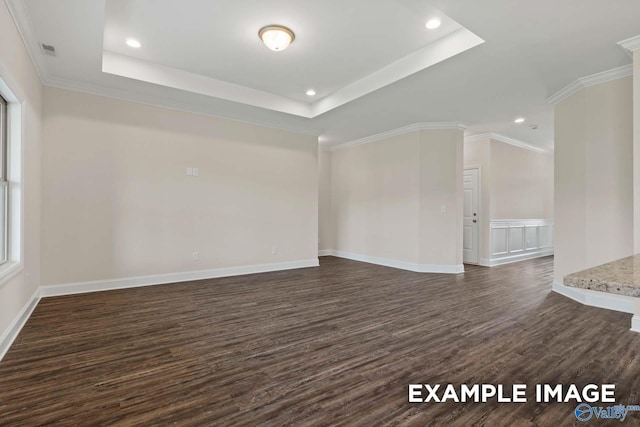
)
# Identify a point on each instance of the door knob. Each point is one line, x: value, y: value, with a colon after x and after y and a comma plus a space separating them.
x: 475, y: 220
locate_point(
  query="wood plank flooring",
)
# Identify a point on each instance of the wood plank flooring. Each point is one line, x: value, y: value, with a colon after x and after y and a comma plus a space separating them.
x: 335, y: 345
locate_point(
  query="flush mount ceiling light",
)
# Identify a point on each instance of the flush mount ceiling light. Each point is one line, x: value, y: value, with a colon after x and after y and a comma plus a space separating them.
x: 311, y: 92
x: 519, y: 120
x: 434, y: 23
x: 276, y: 37
x: 134, y: 43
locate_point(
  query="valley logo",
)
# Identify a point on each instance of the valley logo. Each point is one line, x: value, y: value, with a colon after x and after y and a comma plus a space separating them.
x: 585, y: 412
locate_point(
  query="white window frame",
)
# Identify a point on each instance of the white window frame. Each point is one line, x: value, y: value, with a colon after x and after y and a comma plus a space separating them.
x: 16, y: 108
x: 4, y: 183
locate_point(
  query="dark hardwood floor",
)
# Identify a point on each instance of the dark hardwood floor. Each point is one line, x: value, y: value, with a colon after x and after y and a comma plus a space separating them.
x: 336, y: 345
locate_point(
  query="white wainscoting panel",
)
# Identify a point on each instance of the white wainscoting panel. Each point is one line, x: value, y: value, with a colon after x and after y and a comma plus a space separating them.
x: 499, y: 241
x: 531, y: 237
x: 546, y: 236
x: 516, y: 239
x: 519, y: 239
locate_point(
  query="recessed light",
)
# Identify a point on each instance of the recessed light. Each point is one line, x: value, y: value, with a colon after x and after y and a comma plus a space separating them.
x: 519, y: 120
x: 311, y: 92
x: 134, y: 43
x: 276, y: 37
x: 434, y: 23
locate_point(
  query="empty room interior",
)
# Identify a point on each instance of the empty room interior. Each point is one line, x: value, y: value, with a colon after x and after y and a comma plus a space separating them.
x: 324, y: 213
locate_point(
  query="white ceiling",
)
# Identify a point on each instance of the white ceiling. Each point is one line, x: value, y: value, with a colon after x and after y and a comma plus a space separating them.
x: 228, y: 61
x: 530, y: 51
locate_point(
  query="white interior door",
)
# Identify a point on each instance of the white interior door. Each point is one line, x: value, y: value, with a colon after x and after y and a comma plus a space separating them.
x: 471, y: 233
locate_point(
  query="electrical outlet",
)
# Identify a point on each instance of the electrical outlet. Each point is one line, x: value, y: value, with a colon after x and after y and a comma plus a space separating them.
x: 443, y: 209
x: 196, y: 172
x: 196, y: 256
x: 189, y: 171
x: 274, y: 250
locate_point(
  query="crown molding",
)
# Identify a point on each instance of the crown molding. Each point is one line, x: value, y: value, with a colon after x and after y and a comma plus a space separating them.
x: 401, y: 131
x: 631, y: 44
x: 594, y: 79
x: 505, y: 139
x: 17, y: 10
x: 606, y: 76
x: 158, y: 102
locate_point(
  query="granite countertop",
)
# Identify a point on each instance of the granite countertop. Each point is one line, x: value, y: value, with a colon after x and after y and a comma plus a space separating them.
x: 620, y: 277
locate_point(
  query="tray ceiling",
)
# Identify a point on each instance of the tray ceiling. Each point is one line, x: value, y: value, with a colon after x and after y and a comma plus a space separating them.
x: 341, y: 56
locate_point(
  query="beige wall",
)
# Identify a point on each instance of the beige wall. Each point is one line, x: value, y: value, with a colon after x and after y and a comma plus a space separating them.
x: 325, y: 229
x: 570, y: 186
x: 17, y: 71
x: 117, y: 202
x: 609, y: 194
x: 593, y: 177
x: 521, y: 183
x: 387, y: 198
x: 441, y: 175
x: 375, y: 198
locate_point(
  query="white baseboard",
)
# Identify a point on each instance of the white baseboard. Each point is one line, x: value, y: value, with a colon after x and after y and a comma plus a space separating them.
x: 605, y: 300
x: 572, y: 293
x: 402, y: 265
x: 10, y: 334
x: 514, y: 258
x: 325, y: 252
x: 598, y: 299
x: 160, y: 279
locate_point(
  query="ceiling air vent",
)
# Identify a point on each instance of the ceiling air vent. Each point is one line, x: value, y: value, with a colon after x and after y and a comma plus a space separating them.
x: 48, y: 49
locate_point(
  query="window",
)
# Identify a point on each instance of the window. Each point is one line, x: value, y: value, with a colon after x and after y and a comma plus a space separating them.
x: 11, y: 214
x: 4, y: 183
x: 11, y: 184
